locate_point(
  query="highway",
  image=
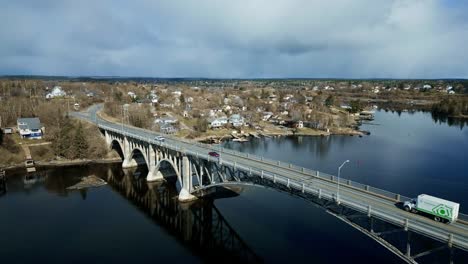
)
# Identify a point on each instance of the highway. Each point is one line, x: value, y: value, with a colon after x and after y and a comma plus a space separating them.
x: 376, y: 205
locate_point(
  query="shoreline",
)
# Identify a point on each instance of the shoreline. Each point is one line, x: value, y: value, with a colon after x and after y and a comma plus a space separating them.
x: 64, y: 163
x: 288, y: 132
x: 248, y: 136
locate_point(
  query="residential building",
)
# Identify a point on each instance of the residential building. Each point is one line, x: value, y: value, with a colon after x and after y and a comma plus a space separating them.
x: 236, y: 120
x: 166, y: 120
x: 30, y: 128
x: 267, y: 115
x: 168, y: 129
x: 56, y: 92
x: 217, y: 122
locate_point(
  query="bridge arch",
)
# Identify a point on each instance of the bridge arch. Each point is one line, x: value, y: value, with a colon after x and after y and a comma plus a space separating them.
x: 117, y: 146
x: 160, y: 171
x: 136, y: 157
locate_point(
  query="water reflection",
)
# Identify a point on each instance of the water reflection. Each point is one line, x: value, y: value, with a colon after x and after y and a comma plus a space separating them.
x: 199, y: 226
x: 450, y: 121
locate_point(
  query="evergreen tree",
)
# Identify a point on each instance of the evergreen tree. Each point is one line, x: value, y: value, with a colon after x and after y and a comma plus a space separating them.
x: 330, y: 100
x: 80, y: 145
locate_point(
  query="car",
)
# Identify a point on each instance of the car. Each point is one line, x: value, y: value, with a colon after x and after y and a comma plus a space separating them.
x: 213, y: 154
x: 159, y: 138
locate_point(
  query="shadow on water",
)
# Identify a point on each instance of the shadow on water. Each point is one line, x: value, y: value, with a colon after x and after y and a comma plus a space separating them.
x: 199, y: 226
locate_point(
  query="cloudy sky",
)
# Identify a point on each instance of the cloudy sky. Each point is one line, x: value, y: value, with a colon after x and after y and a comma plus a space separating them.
x: 235, y: 39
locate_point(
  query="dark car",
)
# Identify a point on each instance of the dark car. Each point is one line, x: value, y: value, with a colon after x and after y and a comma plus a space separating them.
x: 213, y: 154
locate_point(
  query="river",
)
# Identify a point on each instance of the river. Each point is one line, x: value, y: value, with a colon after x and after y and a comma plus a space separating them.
x: 129, y: 220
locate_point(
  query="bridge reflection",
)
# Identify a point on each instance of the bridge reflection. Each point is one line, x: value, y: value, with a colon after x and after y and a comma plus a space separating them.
x: 199, y: 226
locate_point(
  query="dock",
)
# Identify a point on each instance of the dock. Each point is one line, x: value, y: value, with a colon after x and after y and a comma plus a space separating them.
x: 28, y: 162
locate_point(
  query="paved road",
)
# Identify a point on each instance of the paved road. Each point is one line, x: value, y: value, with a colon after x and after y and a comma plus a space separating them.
x: 381, y: 207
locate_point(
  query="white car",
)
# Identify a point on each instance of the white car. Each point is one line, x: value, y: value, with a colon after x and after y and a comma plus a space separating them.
x: 159, y: 138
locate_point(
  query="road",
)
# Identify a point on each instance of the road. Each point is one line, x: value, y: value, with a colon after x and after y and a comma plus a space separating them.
x: 382, y: 207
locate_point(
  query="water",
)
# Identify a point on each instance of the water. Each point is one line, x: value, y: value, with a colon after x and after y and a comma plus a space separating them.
x: 408, y: 154
x: 132, y: 221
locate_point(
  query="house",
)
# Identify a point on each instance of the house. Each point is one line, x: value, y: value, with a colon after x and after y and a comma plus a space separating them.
x: 267, y: 115
x: 30, y: 128
x: 176, y: 93
x: 56, y: 92
x: 165, y: 120
x: 427, y: 86
x: 132, y: 95
x: 217, y: 122
x: 236, y: 120
x: 90, y: 94
x: 7, y: 130
x: 299, y: 124
x: 346, y: 107
x: 451, y: 92
x: 144, y: 101
x: 168, y: 129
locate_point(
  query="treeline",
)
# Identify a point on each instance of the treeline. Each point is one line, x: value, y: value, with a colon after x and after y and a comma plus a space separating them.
x: 76, y: 140
x: 137, y: 115
x: 452, y: 106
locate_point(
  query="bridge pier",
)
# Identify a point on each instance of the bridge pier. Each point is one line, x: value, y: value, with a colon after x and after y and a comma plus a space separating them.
x: 185, y: 195
x: 154, y: 175
x: 128, y: 162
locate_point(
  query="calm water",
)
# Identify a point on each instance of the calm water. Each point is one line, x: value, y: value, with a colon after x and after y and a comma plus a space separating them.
x: 131, y: 221
x: 408, y: 154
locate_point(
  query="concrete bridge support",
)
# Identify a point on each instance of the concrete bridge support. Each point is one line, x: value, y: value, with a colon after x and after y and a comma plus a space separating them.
x: 184, y: 195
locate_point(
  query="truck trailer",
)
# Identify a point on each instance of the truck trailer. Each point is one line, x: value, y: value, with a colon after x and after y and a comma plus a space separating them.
x: 439, y: 209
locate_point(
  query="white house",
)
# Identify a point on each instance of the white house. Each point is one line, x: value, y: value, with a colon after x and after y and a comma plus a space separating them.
x: 132, y: 95
x: 267, y: 115
x: 427, y: 86
x: 56, y: 92
x: 217, y: 122
x: 177, y: 93
x: 165, y: 120
x: 236, y: 120
x: 30, y: 128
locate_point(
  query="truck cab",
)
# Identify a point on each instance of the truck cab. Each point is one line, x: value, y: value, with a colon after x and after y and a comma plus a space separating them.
x: 410, y: 206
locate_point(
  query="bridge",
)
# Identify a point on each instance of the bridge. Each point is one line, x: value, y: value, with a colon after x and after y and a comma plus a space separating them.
x: 199, y: 174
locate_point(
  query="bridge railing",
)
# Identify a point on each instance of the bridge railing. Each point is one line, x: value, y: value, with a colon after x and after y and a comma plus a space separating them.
x: 362, y: 206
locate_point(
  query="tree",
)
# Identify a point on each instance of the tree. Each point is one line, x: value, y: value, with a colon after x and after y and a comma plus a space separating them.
x: 80, y: 143
x: 356, y: 106
x: 201, y: 125
x: 330, y: 100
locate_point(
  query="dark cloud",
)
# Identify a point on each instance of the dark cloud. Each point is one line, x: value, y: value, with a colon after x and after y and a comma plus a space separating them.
x: 255, y: 38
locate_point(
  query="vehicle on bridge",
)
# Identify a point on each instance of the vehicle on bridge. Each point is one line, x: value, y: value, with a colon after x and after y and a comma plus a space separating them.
x: 159, y: 138
x: 213, y: 154
x: 441, y: 210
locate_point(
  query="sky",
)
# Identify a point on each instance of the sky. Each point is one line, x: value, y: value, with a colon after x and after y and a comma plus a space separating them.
x: 235, y: 39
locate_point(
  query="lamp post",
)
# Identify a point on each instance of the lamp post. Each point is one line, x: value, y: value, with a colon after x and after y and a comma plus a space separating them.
x: 338, y: 182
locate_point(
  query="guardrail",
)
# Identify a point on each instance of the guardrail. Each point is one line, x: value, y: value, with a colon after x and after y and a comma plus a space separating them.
x: 301, y: 170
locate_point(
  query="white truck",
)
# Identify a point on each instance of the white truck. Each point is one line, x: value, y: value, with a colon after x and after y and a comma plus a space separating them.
x: 441, y: 210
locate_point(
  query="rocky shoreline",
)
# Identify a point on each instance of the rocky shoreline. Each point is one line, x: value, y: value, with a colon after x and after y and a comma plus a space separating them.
x: 63, y: 163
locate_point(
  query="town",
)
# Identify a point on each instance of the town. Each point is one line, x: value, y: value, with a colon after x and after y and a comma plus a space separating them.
x: 215, y: 110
